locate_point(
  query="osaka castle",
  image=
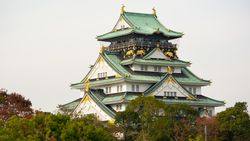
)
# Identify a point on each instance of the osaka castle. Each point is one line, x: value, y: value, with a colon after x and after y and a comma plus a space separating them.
x: 140, y: 60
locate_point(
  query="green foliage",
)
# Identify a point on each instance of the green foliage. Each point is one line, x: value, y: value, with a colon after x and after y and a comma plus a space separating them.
x: 55, y: 124
x: 87, y: 129
x: 144, y: 117
x: 182, y: 120
x: 234, y: 123
x: 17, y: 129
x: 44, y: 126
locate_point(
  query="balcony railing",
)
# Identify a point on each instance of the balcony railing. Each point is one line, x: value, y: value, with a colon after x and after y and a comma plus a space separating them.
x: 141, y: 44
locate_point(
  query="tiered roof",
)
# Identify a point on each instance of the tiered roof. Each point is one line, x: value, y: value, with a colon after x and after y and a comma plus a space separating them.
x: 116, y: 63
x: 140, y: 23
x: 144, y: 24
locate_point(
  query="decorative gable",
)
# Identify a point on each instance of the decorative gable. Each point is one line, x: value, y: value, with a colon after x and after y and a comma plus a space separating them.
x: 89, y: 106
x: 121, y: 24
x: 156, y: 54
x: 101, y: 69
x: 170, y: 87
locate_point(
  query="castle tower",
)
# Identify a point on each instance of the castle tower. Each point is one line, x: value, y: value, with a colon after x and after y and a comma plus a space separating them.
x: 140, y: 60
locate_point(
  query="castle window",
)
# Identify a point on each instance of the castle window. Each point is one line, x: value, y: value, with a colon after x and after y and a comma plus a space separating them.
x: 174, y: 94
x: 194, y: 90
x: 107, y: 90
x: 170, y: 94
x: 102, y: 74
x: 144, y: 68
x: 210, y: 113
x: 165, y: 93
x: 119, y: 88
x: 190, y: 89
x: 135, y: 88
x: 157, y: 68
x: 118, y: 107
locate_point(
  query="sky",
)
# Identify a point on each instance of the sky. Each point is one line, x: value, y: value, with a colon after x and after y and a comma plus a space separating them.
x: 46, y: 45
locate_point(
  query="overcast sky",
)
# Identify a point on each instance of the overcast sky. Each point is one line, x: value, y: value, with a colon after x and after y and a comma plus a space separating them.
x: 45, y: 45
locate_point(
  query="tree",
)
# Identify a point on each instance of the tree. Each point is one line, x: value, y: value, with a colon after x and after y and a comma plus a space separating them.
x: 129, y: 122
x: 85, y: 129
x: 144, y: 116
x: 234, y: 123
x: 46, y: 126
x: 212, y: 127
x: 14, y: 104
x: 181, y: 120
x: 16, y: 128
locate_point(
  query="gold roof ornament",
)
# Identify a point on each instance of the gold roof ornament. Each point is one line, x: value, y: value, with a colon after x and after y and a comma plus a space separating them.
x: 101, y: 50
x: 170, y: 70
x: 154, y: 11
x: 118, y: 76
x: 170, y: 80
x: 87, y: 87
x: 122, y: 9
x: 86, y: 81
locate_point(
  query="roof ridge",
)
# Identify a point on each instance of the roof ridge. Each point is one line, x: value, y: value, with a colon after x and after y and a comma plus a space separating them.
x: 213, y: 99
x: 140, y: 13
x: 113, y: 65
x: 196, y: 75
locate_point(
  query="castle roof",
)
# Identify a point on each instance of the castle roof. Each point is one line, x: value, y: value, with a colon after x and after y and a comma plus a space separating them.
x: 140, y: 23
x: 116, y: 63
x: 135, y: 58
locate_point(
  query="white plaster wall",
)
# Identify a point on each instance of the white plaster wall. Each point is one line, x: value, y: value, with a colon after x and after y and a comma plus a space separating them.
x: 90, y: 107
x: 101, y: 67
x: 212, y: 109
x: 177, y: 70
x: 171, y: 87
x: 158, y: 55
x: 123, y: 108
x: 198, y: 89
x: 113, y: 88
x: 126, y: 87
x: 142, y: 87
x: 164, y: 69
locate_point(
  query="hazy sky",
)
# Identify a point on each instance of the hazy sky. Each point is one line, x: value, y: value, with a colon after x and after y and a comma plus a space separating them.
x: 45, y: 45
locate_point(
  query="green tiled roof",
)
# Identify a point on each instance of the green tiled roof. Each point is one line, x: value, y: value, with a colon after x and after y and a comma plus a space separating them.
x: 114, y: 34
x: 185, y: 78
x: 101, y: 105
x: 188, y: 78
x: 199, y: 102
x: 112, y: 99
x: 176, y: 63
x: 97, y: 82
x: 113, y: 60
x: 71, y: 105
x: 141, y: 23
